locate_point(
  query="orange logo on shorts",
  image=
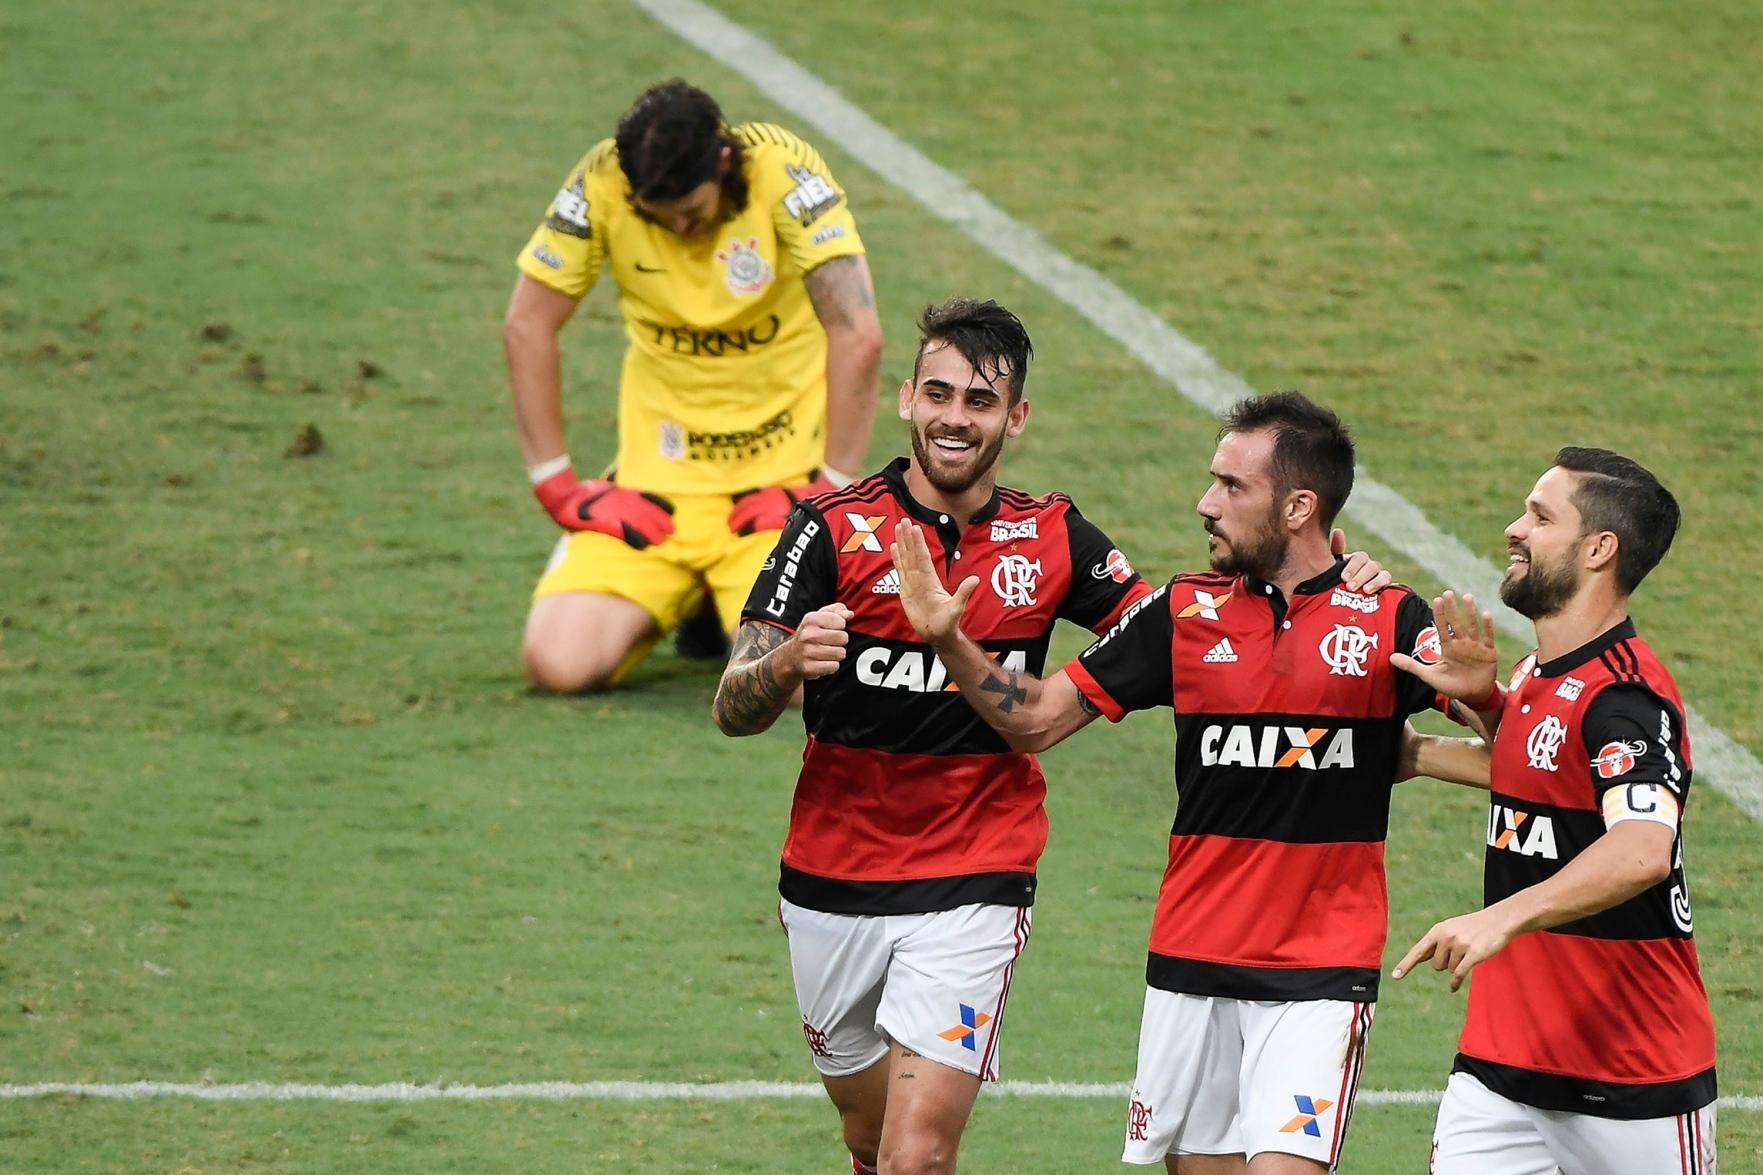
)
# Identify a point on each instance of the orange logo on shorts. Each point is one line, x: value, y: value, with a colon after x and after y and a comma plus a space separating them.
x: 1308, y: 1112
x: 963, y: 1033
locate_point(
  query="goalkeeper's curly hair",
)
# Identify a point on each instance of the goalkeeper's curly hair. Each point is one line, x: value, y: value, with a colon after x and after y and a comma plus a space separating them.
x: 669, y: 142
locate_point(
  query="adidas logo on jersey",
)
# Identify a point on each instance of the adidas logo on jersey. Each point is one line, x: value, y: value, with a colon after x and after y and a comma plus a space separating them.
x: 888, y: 585
x: 1220, y: 653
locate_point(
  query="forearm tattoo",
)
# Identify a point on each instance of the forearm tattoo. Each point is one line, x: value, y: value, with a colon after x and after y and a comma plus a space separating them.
x: 1087, y: 706
x: 749, y: 698
x: 1005, y: 684
x: 840, y: 290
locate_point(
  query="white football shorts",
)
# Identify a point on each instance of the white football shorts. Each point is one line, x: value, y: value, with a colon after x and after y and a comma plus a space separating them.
x: 1220, y: 1077
x: 936, y: 983
x: 1480, y: 1132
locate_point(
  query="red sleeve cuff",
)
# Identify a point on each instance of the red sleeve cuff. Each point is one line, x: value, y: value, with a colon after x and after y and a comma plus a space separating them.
x: 1091, y: 689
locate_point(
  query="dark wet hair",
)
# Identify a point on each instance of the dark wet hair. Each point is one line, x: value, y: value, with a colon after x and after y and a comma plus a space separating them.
x: 670, y: 141
x: 1312, y: 449
x: 986, y: 335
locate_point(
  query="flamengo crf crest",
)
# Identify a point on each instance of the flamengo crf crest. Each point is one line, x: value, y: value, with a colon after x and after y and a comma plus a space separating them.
x: 1015, y: 578
x: 1345, y: 650
x: 1544, y: 741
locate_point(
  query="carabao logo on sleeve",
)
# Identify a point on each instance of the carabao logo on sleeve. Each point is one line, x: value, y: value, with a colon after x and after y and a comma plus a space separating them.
x: 1125, y: 619
x: 786, y: 580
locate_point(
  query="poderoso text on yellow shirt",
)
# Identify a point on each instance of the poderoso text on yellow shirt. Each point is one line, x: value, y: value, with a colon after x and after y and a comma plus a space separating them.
x: 724, y: 381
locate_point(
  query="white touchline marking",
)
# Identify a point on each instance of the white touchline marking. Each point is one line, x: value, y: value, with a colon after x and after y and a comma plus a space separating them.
x: 1185, y: 365
x: 624, y: 1091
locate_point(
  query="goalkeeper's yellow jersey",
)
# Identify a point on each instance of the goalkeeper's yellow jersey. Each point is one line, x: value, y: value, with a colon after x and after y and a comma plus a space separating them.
x: 724, y: 383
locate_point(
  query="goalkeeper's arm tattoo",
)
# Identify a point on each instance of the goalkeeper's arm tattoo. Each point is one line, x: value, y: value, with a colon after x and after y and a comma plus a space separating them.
x: 841, y: 290
x: 749, y: 698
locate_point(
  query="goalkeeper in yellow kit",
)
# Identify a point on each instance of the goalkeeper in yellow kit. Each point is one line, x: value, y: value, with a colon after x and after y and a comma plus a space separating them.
x: 750, y: 369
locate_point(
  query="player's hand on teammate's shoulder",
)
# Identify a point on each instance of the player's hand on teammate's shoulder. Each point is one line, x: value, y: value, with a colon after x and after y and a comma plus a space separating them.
x: 935, y: 613
x: 1362, y: 573
x: 1468, y: 659
x: 821, y: 639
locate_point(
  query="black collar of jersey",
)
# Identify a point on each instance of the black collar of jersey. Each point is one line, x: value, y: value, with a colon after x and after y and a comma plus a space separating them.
x: 1567, y: 662
x: 1310, y: 587
x: 894, y: 473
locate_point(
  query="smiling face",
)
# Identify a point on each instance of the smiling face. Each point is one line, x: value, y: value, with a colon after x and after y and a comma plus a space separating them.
x: 960, y: 418
x: 1543, y: 547
x: 1240, y: 510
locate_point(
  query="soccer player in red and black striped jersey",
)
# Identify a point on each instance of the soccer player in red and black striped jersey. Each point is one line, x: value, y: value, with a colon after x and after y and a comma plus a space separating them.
x: 1270, y: 924
x: 1589, y: 1042
x: 909, y: 868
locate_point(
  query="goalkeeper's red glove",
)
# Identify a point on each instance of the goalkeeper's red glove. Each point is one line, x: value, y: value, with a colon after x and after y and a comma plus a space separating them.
x: 769, y: 508
x: 639, y: 519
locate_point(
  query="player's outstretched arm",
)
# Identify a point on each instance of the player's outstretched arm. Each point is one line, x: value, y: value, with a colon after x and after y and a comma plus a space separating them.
x: 844, y: 300
x: 1629, y: 859
x: 1467, y: 761
x: 767, y: 665
x: 1032, y: 714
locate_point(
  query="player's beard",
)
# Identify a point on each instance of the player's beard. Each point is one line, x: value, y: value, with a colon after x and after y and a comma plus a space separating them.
x: 983, y: 460
x: 1543, y: 590
x: 1260, y: 554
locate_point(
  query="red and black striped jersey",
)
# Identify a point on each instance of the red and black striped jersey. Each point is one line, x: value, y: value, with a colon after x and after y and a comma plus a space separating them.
x: 1288, y: 720
x: 907, y: 801
x: 1606, y: 1015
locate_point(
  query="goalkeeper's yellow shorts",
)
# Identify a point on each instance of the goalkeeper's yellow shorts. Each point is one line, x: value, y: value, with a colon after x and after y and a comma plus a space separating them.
x: 668, y: 580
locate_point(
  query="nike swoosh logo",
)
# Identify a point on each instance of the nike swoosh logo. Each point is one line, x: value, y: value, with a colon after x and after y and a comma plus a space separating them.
x: 641, y: 268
